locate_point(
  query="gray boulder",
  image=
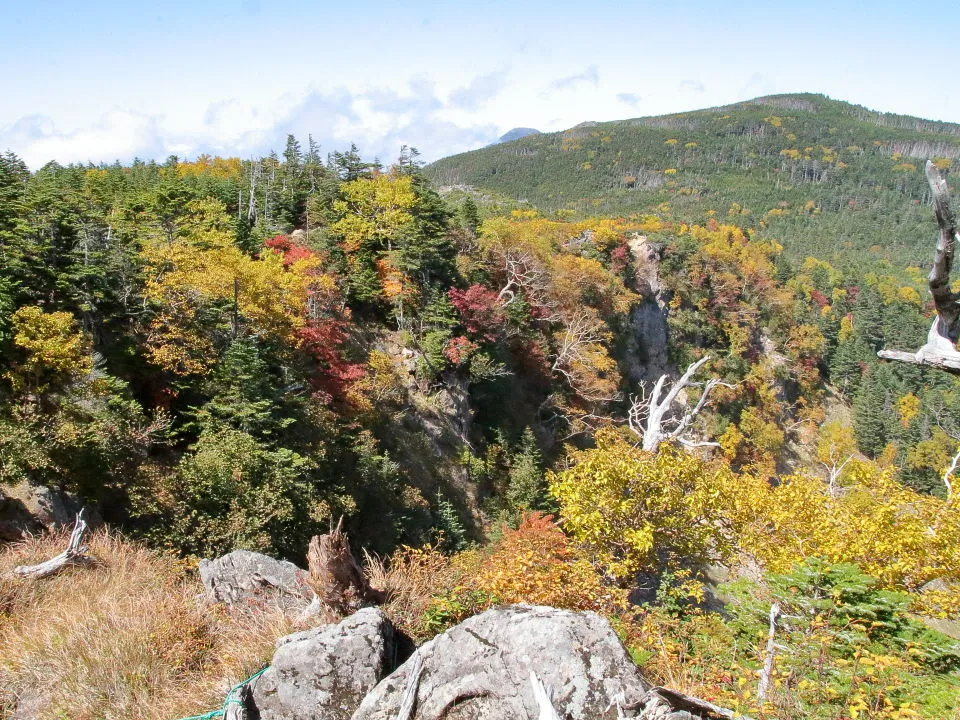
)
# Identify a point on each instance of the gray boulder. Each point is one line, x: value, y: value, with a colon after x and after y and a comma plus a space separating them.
x: 480, y: 669
x: 27, y: 508
x: 242, y: 576
x: 323, y: 674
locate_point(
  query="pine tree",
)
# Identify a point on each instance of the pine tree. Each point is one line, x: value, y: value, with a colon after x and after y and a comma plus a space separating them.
x: 526, y: 489
x: 448, y: 525
x: 872, y: 410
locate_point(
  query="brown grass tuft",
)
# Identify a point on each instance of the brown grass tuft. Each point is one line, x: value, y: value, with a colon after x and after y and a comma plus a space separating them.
x: 129, y: 637
x: 410, y: 579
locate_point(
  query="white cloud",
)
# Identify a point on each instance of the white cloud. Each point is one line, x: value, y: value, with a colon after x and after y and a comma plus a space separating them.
x: 590, y: 76
x: 378, y: 120
x: 692, y: 86
x: 631, y: 99
x: 117, y: 134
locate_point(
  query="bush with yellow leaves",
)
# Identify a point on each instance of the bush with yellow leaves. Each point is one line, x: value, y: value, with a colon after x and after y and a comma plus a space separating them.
x: 633, y: 510
x: 903, y: 538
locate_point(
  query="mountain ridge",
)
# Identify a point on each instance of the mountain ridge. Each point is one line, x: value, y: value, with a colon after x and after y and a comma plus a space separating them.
x: 810, y: 171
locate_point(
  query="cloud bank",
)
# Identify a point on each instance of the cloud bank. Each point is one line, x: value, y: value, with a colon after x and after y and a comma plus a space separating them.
x: 378, y: 120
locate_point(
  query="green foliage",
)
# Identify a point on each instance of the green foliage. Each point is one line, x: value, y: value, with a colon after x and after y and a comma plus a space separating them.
x: 448, y: 527
x: 819, y: 175
x: 229, y: 492
x: 90, y: 441
x: 244, y: 396
x: 843, y: 641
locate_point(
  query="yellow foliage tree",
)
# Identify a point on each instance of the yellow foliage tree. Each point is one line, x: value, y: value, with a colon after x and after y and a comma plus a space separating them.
x: 200, y: 280
x: 54, y: 350
x: 903, y: 538
x: 374, y: 211
x: 634, y: 510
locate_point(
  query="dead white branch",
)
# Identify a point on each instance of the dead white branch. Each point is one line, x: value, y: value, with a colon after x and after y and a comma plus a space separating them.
x: 650, y: 417
x: 767, y: 673
x: 524, y: 271
x: 410, y: 692
x: 940, y: 350
x: 542, y: 697
x: 949, y: 473
x: 75, y: 554
x: 674, y: 700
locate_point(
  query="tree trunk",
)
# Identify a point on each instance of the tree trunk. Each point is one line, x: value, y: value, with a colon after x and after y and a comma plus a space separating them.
x: 335, y: 575
x: 940, y: 350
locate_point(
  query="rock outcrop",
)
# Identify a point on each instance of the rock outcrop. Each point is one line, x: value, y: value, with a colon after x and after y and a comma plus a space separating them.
x: 481, y: 669
x: 515, y: 663
x: 647, y: 344
x: 323, y: 674
x: 242, y: 576
x: 26, y: 508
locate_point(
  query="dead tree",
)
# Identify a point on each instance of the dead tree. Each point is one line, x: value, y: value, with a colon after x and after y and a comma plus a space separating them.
x: 75, y: 554
x: 650, y: 416
x: 336, y: 577
x: 940, y: 350
x: 767, y: 674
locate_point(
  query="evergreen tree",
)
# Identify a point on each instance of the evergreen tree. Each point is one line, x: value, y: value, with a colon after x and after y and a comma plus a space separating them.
x: 244, y: 396
x: 872, y: 410
x: 448, y: 526
x: 526, y: 489
x: 469, y: 215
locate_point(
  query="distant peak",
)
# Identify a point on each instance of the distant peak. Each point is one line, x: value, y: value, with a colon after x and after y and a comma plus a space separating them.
x: 517, y: 133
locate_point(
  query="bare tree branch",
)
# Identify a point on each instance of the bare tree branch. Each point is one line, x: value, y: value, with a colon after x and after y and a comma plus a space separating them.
x: 547, y: 711
x: 648, y: 416
x: 949, y: 473
x: 410, y: 692
x: 767, y: 673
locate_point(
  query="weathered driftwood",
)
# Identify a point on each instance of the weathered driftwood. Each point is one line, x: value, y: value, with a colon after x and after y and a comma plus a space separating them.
x: 540, y: 694
x: 767, y: 674
x: 75, y: 554
x: 336, y: 577
x: 940, y: 350
x: 409, y: 701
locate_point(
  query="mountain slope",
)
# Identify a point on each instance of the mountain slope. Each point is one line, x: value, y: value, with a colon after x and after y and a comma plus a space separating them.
x: 822, y: 176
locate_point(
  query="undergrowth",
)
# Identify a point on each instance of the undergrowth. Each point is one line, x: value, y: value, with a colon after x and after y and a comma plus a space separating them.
x: 127, y: 637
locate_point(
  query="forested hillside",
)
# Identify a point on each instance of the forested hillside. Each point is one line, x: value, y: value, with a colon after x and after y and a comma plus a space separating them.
x: 218, y: 353
x: 822, y: 176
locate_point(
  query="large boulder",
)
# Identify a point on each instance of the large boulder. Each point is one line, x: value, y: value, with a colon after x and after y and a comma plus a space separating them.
x: 480, y: 669
x: 323, y: 674
x: 243, y: 576
x: 27, y: 508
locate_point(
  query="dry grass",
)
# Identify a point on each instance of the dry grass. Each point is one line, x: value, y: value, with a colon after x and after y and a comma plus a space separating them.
x: 411, y: 578
x: 128, y: 637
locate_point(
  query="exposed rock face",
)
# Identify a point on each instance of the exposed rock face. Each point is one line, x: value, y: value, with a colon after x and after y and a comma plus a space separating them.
x: 243, y: 575
x: 647, y: 344
x: 323, y: 674
x: 26, y: 508
x: 480, y: 669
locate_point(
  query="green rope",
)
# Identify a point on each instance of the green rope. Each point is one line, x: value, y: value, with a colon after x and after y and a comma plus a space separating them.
x: 230, y: 699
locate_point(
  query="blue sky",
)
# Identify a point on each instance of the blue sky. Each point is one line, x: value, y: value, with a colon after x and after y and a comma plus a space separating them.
x: 104, y: 80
